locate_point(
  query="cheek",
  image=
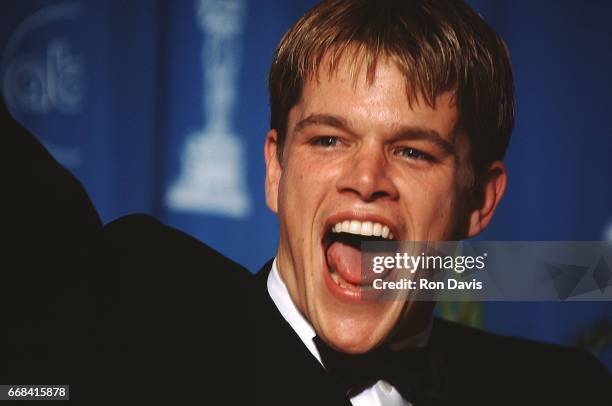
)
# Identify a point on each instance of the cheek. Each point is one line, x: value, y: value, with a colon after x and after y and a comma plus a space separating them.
x: 298, y: 197
x: 293, y: 186
x: 431, y: 205
x: 307, y: 180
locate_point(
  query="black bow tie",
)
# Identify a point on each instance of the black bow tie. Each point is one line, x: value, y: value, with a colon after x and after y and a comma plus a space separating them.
x: 418, y: 374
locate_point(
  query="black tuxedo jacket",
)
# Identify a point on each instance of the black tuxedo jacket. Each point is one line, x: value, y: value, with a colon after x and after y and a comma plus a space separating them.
x: 133, y: 311
x: 136, y: 311
x: 163, y: 318
x: 483, y: 369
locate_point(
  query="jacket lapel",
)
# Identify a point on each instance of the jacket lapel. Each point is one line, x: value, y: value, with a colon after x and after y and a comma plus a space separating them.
x: 287, y: 373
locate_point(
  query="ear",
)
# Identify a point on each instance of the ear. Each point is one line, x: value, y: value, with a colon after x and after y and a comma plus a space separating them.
x: 273, y: 170
x: 491, y: 193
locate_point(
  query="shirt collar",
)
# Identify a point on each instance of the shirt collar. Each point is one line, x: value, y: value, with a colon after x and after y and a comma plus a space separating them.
x: 281, y: 298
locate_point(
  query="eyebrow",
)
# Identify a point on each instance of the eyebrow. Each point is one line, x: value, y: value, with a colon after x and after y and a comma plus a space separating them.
x: 419, y: 133
x: 404, y: 132
x: 322, y: 119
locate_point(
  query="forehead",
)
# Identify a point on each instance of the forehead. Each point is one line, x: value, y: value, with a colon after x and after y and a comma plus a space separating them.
x: 371, y: 100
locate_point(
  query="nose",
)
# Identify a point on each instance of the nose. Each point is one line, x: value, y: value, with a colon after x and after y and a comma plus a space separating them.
x: 367, y: 175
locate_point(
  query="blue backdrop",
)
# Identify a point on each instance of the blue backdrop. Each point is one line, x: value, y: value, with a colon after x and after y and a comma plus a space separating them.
x: 151, y: 102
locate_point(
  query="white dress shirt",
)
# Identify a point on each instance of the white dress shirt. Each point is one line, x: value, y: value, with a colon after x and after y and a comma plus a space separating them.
x: 379, y: 394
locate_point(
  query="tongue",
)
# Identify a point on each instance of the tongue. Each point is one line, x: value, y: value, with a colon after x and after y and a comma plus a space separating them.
x: 345, y: 259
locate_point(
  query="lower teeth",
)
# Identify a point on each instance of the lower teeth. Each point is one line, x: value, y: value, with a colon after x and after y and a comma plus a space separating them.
x: 335, y: 278
x: 340, y: 282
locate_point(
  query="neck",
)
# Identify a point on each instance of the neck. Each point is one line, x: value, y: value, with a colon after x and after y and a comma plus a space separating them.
x: 416, y: 321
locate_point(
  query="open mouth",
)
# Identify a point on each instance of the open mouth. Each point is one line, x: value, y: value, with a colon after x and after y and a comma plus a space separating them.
x: 342, y: 250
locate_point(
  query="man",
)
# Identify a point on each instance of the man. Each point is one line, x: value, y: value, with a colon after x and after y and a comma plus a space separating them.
x: 389, y: 117
x: 389, y: 120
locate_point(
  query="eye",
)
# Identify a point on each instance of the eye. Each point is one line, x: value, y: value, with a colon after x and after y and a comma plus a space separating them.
x: 325, y: 141
x: 413, y: 153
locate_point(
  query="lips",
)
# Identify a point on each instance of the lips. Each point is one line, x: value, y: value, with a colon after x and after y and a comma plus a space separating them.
x: 342, y: 252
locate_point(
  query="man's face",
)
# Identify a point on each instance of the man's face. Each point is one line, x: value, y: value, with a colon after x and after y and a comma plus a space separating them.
x: 358, y: 152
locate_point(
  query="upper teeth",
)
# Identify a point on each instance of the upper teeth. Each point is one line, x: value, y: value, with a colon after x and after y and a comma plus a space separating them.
x: 367, y: 228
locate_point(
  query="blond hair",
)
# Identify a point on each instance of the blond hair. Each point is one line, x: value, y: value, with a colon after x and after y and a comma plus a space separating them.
x: 438, y: 45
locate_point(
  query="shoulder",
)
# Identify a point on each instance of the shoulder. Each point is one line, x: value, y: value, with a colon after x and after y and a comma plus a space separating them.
x: 174, y: 308
x: 162, y: 277
x: 141, y: 240
x: 491, y: 364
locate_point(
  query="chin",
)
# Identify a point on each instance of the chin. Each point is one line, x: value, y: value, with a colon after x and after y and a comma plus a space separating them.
x: 352, y: 335
x: 353, y: 342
